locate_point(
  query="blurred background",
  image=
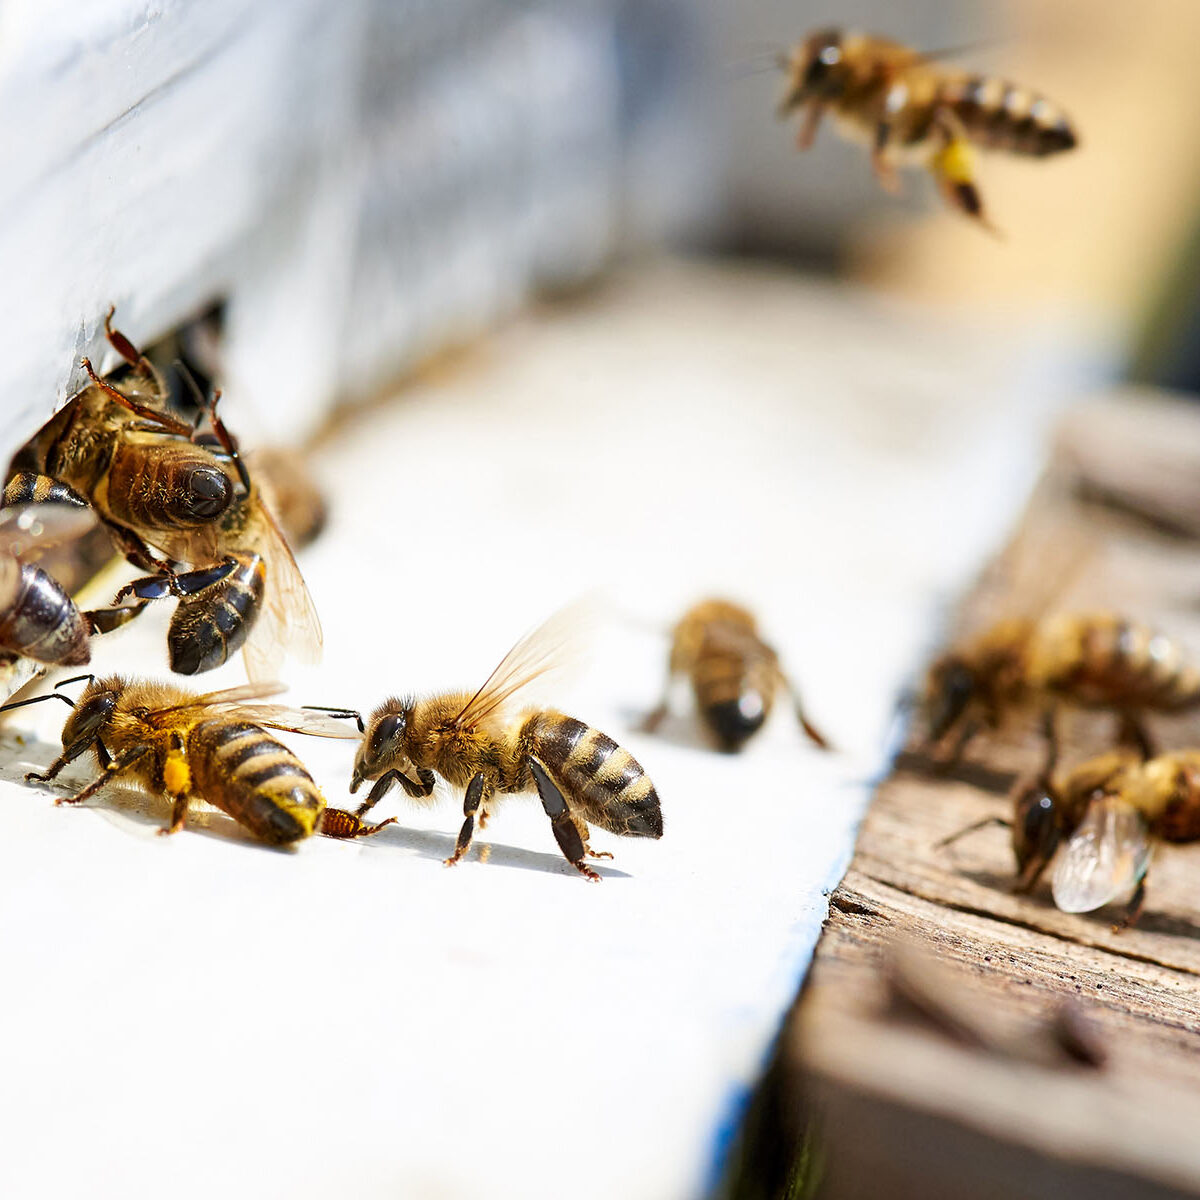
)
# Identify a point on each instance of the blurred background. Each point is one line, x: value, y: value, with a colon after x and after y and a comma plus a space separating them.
x: 373, y: 181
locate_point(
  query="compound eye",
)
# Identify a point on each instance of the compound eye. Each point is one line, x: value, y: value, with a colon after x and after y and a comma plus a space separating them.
x: 1035, y: 830
x: 207, y: 492
x: 387, y: 734
x: 87, y: 723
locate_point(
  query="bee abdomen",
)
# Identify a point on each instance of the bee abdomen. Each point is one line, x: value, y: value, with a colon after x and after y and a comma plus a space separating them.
x: 734, y: 693
x: 1128, y: 664
x: 43, y: 623
x: 255, y: 779
x: 210, y: 627
x: 600, y: 779
x: 1004, y: 116
x: 29, y: 487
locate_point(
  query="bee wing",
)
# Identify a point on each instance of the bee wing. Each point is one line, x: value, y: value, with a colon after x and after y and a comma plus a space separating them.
x: 1105, y: 858
x: 27, y: 527
x: 227, y: 697
x: 300, y: 720
x: 550, y: 647
x: 288, y: 623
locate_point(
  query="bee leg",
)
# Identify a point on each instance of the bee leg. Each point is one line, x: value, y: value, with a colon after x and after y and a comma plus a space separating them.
x: 807, y: 133
x: 479, y: 791
x: 159, y: 419
x: 566, y: 832
x: 105, y: 620
x: 179, y: 811
x: 122, y: 345
x: 655, y: 717
x: 137, y: 552
x: 226, y: 439
x: 115, y: 767
x: 885, y: 171
x: 1133, y: 732
x: 953, y: 168
x: 1133, y: 910
x: 813, y: 733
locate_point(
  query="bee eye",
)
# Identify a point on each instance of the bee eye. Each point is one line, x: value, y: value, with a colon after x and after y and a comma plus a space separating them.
x: 386, y: 734
x: 1035, y: 831
x: 84, y: 726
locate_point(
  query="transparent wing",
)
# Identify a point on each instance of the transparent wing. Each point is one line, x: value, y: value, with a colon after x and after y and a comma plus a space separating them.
x: 300, y: 720
x: 288, y: 623
x: 551, y: 647
x: 26, y: 527
x: 1105, y: 858
x: 226, y: 698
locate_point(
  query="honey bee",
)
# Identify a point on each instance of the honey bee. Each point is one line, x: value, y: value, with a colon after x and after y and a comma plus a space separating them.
x: 156, y: 482
x: 253, y: 599
x: 147, y: 475
x: 213, y: 747
x: 908, y: 109
x: 1105, y: 810
x: 38, y: 618
x: 734, y: 674
x: 1093, y: 660
x: 580, y: 775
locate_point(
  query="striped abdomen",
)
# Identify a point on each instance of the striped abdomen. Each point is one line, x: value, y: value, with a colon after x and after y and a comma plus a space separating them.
x: 734, y: 685
x: 210, y: 626
x: 41, y: 620
x: 1124, y: 665
x: 1003, y: 116
x: 1179, y: 819
x: 164, y: 485
x: 258, y: 781
x: 30, y: 487
x: 602, y: 783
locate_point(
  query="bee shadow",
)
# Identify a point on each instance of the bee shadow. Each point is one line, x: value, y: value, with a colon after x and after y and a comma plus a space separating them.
x: 123, y: 806
x: 439, y: 846
x: 974, y: 774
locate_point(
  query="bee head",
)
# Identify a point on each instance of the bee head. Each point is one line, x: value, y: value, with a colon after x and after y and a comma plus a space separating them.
x: 952, y: 686
x: 733, y: 721
x: 816, y: 69
x: 382, y: 745
x: 90, y: 718
x: 1035, y: 831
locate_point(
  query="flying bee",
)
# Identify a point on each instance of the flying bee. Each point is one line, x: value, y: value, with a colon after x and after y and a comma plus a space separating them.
x: 1093, y: 660
x: 734, y: 674
x: 212, y: 747
x: 1105, y: 810
x: 908, y: 109
x: 148, y: 476
x: 579, y: 774
x: 38, y: 618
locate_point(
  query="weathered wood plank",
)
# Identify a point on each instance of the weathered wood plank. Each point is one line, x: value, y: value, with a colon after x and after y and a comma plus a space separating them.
x: 897, y: 1098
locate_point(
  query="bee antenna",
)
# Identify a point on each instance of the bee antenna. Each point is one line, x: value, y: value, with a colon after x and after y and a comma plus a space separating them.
x: 75, y: 679
x: 189, y: 380
x: 971, y: 829
x: 338, y: 712
x: 37, y: 700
